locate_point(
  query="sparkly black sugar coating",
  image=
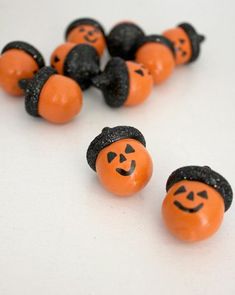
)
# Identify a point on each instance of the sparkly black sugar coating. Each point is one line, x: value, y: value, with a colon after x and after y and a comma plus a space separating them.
x: 33, y: 89
x: 36, y: 55
x: 206, y: 175
x: 195, y: 40
x: 82, y: 64
x: 114, y: 82
x: 83, y: 21
x: 157, y: 39
x: 123, y: 39
x: 109, y: 136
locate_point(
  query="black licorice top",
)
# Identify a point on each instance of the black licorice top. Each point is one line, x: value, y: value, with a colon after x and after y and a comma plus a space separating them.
x: 123, y: 39
x: 206, y: 175
x: 195, y: 40
x: 109, y: 136
x: 156, y: 39
x: 32, y: 51
x: 114, y: 82
x: 33, y: 87
x: 83, y: 21
x: 81, y: 64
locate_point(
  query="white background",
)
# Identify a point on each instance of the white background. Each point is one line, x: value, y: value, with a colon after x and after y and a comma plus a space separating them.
x: 60, y: 231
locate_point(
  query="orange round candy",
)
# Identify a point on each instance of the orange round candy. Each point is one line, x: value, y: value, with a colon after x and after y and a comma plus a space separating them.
x: 124, y: 83
x: 158, y: 59
x: 192, y: 210
x: 124, y: 167
x: 60, y: 99
x: 59, y: 55
x: 15, y: 64
x: 88, y: 34
x: 140, y: 84
x: 181, y: 43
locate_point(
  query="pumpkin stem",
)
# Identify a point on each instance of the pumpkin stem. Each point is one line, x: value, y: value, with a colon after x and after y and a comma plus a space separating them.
x: 23, y: 83
x: 201, y: 38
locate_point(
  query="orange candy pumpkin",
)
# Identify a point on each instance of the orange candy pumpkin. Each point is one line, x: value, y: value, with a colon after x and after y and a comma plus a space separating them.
x: 196, y: 199
x: 55, y: 98
x: 186, y: 42
x: 87, y: 31
x: 156, y: 53
x: 124, y: 83
x: 19, y: 60
x: 120, y: 159
x: 140, y: 84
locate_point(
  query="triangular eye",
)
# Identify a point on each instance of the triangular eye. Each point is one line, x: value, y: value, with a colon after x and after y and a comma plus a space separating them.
x: 111, y: 156
x: 203, y: 195
x: 139, y: 72
x: 182, y: 41
x: 56, y: 59
x: 180, y: 190
x: 129, y: 149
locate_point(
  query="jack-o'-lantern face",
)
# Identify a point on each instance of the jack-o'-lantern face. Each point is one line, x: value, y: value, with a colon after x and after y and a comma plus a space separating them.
x: 181, y: 44
x: 192, y: 210
x: 124, y: 167
x: 140, y: 83
x: 88, y: 34
x: 59, y: 55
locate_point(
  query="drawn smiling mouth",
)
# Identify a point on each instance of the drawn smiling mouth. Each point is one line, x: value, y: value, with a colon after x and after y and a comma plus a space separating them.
x: 186, y: 209
x: 90, y: 40
x: 124, y: 172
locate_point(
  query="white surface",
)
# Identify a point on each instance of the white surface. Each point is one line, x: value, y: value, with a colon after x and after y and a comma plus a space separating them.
x: 60, y: 232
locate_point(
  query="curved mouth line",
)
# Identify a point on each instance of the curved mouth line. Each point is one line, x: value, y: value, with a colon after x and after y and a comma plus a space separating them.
x: 124, y: 172
x: 186, y: 209
x: 90, y: 40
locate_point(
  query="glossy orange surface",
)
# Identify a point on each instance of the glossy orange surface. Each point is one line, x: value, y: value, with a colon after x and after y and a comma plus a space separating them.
x: 58, y: 56
x: 124, y: 167
x: 88, y: 34
x: 158, y: 59
x: 181, y: 44
x: 140, y: 84
x: 60, y: 99
x: 15, y: 65
x: 192, y: 210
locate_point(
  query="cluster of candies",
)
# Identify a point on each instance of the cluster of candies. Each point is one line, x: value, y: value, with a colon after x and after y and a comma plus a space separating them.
x: 138, y: 61
x: 197, y: 197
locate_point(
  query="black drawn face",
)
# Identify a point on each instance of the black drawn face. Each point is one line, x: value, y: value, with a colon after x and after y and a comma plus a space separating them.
x: 140, y: 70
x: 89, y: 33
x: 121, y: 158
x: 180, y: 47
x: 185, y: 194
